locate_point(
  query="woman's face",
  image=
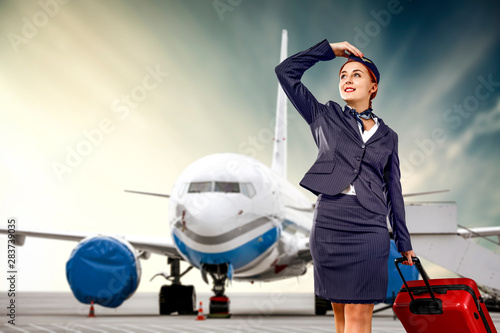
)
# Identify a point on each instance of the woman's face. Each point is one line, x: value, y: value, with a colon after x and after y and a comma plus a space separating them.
x: 356, y: 83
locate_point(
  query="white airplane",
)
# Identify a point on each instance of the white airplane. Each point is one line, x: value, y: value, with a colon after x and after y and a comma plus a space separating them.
x: 230, y: 216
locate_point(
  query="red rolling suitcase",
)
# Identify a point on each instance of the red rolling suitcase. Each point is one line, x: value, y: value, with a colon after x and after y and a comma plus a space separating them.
x: 441, y: 305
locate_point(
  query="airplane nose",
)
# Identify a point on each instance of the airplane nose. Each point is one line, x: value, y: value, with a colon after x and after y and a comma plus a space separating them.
x: 211, y: 214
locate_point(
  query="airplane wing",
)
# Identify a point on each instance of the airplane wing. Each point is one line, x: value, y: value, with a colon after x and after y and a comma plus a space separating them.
x: 144, y: 245
x: 405, y: 195
x: 313, y: 204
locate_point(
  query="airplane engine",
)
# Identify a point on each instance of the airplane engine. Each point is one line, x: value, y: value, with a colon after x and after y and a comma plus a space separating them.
x: 103, y: 269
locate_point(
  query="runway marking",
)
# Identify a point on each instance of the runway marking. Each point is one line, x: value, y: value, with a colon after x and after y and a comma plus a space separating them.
x: 274, y: 329
x: 139, y: 328
x: 116, y: 328
x: 230, y: 330
x: 17, y: 328
x: 190, y: 328
x: 226, y: 329
x: 297, y: 329
x: 90, y: 328
x: 194, y: 329
x: 165, y: 328
x: 66, y: 328
x: 322, y: 329
x: 42, y: 328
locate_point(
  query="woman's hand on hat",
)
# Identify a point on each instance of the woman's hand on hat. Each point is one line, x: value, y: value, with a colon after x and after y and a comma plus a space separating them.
x: 344, y: 49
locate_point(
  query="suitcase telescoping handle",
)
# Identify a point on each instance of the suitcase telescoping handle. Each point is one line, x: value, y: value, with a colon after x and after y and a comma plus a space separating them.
x: 422, y: 272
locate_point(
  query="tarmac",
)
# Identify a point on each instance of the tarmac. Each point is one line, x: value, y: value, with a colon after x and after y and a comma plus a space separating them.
x: 251, y: 312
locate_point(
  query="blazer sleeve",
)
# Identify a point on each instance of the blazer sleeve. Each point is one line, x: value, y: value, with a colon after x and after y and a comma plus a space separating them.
x: 290, y: 72
x: 392, y: 175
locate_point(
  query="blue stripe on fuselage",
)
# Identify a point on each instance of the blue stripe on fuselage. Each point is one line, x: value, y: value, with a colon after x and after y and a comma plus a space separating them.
x: 238, y: 257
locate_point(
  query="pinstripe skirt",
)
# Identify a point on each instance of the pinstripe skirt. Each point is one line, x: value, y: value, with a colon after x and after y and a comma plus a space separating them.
x: 350, y: 249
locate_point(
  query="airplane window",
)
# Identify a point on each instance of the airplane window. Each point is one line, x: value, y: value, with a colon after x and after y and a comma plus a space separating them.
x: 182, y: 189
x: 227, y: 187
x: 247, y: 189
x: 200, y: 187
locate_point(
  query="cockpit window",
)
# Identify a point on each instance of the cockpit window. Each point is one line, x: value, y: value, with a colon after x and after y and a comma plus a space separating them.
x: 200, y: 187
x: 247, y: 189
x: 182, y: 189
x: 227, y: 187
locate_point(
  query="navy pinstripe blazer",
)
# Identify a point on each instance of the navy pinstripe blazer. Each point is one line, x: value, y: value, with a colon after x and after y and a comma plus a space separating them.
x: 343, y: 158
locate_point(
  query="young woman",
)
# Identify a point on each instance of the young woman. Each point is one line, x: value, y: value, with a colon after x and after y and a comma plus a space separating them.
x: 356, y: 177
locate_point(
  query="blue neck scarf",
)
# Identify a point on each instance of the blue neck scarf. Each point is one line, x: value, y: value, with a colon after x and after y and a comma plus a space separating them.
x: 367, y: 114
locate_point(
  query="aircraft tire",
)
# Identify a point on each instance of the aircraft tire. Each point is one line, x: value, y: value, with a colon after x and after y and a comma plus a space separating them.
x: 177, y: 298
x: 321, y: 306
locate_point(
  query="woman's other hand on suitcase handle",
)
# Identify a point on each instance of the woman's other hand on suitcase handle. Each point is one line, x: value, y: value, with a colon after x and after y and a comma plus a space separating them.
x: 408, y: 255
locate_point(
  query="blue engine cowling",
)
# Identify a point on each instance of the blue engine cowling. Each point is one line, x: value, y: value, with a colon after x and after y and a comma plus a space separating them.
x: 104, y: 270
x: 394, y: 284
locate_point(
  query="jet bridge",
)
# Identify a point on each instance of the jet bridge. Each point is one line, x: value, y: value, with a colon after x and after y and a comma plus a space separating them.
x: 435, y: 237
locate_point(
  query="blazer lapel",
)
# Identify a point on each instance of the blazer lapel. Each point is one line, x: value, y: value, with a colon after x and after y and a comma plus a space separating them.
x: 351, y: 125
x: 382, y: 130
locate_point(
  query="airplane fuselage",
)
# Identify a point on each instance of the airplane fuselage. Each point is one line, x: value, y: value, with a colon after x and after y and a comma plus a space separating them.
x: 231, y: 209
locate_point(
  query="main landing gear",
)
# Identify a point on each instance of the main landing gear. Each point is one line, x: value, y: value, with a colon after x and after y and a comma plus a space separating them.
x: 182, y: 299
x: 321, y: 306
x: 176, y: 297
x: 219, y: 303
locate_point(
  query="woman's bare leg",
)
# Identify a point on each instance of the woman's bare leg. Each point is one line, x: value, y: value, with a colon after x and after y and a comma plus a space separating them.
x: 338, y: 311
x: 358, y: 318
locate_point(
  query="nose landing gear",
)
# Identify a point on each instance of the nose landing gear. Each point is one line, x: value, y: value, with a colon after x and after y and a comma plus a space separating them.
x: 219, y: 303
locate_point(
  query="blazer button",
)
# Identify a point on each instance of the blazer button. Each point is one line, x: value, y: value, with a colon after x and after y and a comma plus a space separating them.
x: 355, y: 170
x: 363, y: 146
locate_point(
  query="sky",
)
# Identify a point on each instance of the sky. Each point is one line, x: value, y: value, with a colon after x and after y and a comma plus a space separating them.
x: 97, y: 97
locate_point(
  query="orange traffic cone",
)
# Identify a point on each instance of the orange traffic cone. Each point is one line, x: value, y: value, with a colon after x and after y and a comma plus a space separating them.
x: 201, y: 316
x: 91, y: 311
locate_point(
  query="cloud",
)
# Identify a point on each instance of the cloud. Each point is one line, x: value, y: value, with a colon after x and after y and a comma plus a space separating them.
x: 472, y: 177
x: 483, y: 123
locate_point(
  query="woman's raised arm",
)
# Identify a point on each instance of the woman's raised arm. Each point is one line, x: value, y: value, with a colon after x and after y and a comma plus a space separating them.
x: 290, y: 73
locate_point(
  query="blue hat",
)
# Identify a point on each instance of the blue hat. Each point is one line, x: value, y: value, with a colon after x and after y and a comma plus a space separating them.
x: 368, y: 63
